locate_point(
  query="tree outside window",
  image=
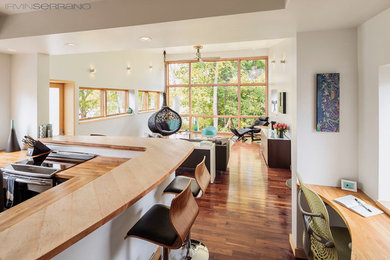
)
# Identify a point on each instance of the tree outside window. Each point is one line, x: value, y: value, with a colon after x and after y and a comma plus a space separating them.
x: 99, y: 103
x: 225, y: 93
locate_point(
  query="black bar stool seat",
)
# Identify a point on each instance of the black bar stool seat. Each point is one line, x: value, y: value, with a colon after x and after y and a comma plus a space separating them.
x: 155, y: 226
x: 179, y: 184
x: 198, y: 184
x: 168, y: 226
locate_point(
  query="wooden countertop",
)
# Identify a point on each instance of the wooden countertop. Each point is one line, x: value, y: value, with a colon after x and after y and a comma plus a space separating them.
x: 370, y: 236
x: 97, y: 191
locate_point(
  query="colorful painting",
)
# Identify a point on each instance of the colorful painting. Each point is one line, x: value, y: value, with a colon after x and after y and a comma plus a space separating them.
x: 328, y: 102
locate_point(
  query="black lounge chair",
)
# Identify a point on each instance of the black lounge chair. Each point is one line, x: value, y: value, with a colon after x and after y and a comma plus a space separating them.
x: 241, y: 134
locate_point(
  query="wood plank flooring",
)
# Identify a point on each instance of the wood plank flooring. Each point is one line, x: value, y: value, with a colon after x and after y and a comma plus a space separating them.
x: 246, y: 214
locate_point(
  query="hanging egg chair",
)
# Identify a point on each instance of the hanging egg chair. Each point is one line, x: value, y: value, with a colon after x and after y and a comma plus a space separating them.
x: 165, y: 121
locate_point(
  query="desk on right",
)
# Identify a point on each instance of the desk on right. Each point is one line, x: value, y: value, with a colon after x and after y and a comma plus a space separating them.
x: 370, y: 236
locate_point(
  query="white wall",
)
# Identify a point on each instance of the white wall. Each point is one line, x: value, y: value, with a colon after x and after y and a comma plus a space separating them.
x: 222, y: 54
x: 373, y: 49
x: 384, y: 137
x: 111, y: 73
x: 43, y: 88
x: 325, y: 158
x: 24, y: 94
x: 29, y: 93
x: 5, y: 90
x: 283, y: 77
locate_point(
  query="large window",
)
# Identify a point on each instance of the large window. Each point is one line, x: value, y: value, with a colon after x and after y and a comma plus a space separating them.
x: 99, y: 103
x: 148, y: 101
x: 223, y: 93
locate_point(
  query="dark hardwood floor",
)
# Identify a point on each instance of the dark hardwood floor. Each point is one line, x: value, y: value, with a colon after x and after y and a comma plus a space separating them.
x: 246, y: 214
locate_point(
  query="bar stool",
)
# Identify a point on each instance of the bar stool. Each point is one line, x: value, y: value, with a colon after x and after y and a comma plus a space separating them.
x: 168, y: 227
x: 199, y: 186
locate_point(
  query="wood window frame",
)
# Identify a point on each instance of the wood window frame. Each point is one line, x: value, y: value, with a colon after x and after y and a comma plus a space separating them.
x: 146, y: 101
x: 239, y: 84
x: 103, y: 102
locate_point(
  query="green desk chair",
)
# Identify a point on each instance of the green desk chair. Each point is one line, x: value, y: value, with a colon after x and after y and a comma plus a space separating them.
x: 320, y: 240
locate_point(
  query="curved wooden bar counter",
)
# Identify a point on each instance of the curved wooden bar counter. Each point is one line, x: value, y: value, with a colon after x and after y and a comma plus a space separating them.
x: 96, y: 192
x: 370, y: 236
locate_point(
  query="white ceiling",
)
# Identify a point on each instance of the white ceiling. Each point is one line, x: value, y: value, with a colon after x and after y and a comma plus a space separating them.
x: 220, y: 33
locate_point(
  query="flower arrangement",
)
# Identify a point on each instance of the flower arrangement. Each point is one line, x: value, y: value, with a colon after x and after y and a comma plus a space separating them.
x: 280, y: 129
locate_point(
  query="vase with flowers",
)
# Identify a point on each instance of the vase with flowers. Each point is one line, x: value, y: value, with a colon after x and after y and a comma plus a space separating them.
x: 280, y: 129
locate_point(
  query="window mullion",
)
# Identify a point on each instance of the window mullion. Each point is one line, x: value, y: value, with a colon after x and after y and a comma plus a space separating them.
x: 190, y: 95
x: 239, y: 93
x: 104, y: 102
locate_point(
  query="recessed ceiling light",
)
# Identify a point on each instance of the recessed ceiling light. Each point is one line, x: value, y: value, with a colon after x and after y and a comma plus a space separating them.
x: 145, y: 38
x: 71, y: 44
x: 11, y: 50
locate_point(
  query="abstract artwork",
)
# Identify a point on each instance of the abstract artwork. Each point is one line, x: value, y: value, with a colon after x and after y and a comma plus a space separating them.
x: 328, y: 102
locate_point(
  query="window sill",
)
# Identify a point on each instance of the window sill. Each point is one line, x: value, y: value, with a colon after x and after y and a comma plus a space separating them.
x: 103, y: 118
x: 147, y: 111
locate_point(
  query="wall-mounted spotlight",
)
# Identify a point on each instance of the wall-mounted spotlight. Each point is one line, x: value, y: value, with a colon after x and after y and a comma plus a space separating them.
x: 92, y: 71
x: 150, y: 67
x: 273, y: 61
x: 283, y: 61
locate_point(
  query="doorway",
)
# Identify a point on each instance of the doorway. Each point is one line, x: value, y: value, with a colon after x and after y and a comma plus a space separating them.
x: 61, y: 107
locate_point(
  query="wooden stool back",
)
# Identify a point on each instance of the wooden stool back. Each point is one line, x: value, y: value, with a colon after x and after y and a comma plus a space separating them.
x: 202, y: 175
x: 183, y: 213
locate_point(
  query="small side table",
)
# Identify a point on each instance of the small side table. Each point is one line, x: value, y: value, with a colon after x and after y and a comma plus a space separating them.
x: 276, y: 151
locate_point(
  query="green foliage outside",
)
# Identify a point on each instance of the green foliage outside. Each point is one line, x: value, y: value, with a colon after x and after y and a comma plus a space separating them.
x: 218, y: 100
x: 90, y: 102
x: 116, y: 102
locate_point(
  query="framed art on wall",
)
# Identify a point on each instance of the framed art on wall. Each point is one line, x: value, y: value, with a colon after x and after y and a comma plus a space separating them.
x: 328, y: 102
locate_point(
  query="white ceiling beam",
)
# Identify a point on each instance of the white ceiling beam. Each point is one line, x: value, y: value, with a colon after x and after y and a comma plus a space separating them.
x: 121, y: 13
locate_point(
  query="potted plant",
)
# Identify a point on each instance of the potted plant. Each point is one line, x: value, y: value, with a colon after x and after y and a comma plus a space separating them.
x: 280, y: 129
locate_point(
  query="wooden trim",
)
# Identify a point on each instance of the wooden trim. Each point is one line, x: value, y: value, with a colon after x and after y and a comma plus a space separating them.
x: 298, y: 252
x: 146, y: 100
x: 67, y: 84
x: 266, y: 86
x: 216, y: 60
x: 166, y: 80
x: 190, y: 97
x: 90, y: 120
x: 103, y: 102
x: 62, y: 115
x: 61, y: 81
x: 157, y: 254
x: 384, y: 205
x: 239, y: 94
x: 218, y: 85
x: 218, y: 116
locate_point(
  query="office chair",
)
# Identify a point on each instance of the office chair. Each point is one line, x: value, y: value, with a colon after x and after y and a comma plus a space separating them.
x: 320, y: 240
x: 241, y: 134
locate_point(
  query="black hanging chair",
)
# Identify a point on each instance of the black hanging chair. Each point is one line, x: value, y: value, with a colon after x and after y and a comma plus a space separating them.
x: 165, y: 121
